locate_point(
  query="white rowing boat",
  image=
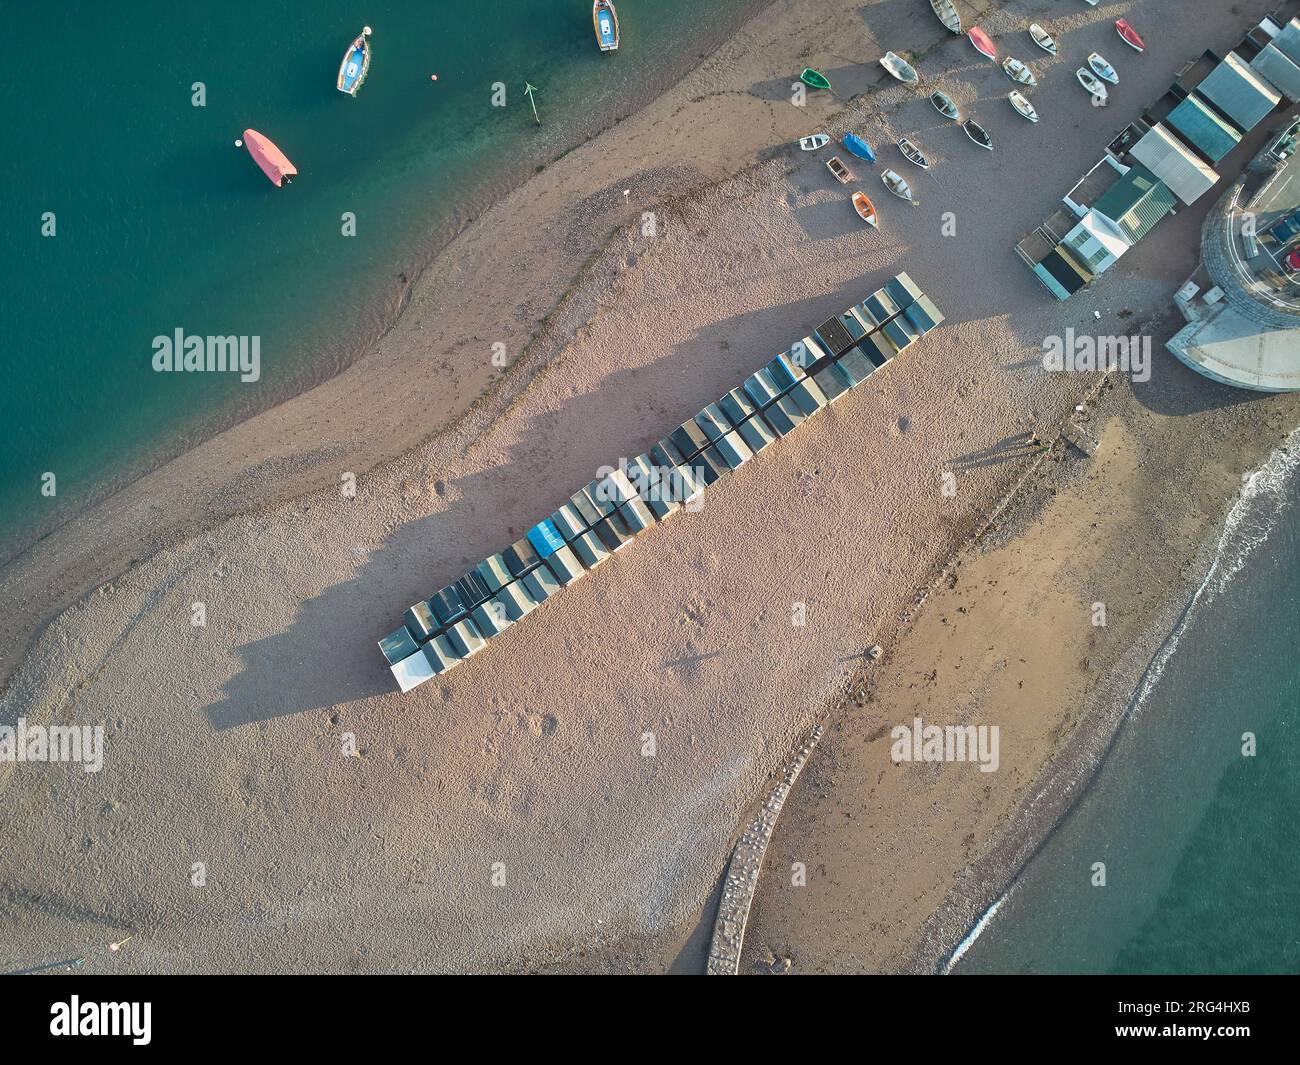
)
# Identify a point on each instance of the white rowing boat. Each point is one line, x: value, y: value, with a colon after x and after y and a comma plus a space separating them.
x: 1042, y: 38
x: 1022, y: 105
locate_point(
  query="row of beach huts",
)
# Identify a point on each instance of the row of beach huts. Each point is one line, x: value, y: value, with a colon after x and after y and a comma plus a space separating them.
x: 604, y: 517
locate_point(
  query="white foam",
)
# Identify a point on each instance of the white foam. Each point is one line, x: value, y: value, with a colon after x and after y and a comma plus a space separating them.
x: 977, y: 931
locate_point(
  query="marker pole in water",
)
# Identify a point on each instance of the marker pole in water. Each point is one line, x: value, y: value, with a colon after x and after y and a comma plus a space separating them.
x: 528, y: 91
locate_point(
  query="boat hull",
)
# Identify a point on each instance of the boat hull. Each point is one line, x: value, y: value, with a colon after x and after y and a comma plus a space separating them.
x: 1023, y: 107
x: 1042, y: 38
x: 274, y: 163
x: 604, y: 19
x: 1092, y: 84
x: 815, y: 79
x: 946, y: 13
x: 355, y: 66
x: 865, y: 208
x: 913, y: 154
x: 1103, y: 69
x: 855, y: 145
x: 978, y: 134
x: 945, y: 106
x: 897, y: 185
x: 900, y: 68
x: 1129, y: 35
x: 811, y: 144
x: 983, y: 42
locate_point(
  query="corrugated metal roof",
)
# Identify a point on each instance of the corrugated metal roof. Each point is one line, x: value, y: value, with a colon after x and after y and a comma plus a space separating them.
x: 1288, y: 41
x: 1203, y: 129
x: 1279, y: 70
x: 1136, y: 202
x: 1174, y: 163
x: 1239, y: 92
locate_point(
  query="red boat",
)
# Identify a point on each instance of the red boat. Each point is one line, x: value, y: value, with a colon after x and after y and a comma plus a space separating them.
x: 1129, y: 35
x: 1293, y: 260
x: 274, y: 163
x: 983, y: 42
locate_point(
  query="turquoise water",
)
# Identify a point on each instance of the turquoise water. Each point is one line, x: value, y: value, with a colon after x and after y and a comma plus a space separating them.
x: 1200, y: 843
x: 161, y: 223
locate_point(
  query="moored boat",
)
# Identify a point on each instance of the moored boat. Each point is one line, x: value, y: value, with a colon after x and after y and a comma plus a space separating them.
x: 1018, y: 72
x: 1042, y: 38
x: 815, y: 78
x: 896, y: 184
x: 865, y: 208
x: 1129, y: 35
x: 836, y: 166
x: 605, y: 20
x: 274, y: 163
x: 857, y: 146
x: 900, y: 68
x: 943, y: 103
x: 1022, y: 105
x: 983, y: 42
x: 912, y: 153
x: 814, y: 141
x: 947, y: 14
x: 1102, y: 69
x: 356, y: 63
x: 1092, y: 84
x: 978, y: 133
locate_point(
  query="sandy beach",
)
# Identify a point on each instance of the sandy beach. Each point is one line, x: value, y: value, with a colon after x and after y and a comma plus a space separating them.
x: 504, y: 817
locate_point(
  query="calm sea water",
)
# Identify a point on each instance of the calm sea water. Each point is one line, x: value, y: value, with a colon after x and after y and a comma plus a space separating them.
x: 1200, y: 843
x: 161, y: 223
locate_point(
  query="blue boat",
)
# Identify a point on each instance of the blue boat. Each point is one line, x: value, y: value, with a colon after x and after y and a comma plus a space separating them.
x: 605, y: 19
x: 857, y: 146
x: 356, y: 64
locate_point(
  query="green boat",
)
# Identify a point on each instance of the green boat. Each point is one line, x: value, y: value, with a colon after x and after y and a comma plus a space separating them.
x: 814, y: 78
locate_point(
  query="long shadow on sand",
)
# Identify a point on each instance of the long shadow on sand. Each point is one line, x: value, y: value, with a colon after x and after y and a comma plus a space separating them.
x: 328, y: 656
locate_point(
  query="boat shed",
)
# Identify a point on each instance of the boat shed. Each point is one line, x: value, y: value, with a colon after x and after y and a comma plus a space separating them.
x: 1187, y: 176
x: 1135, y: 203
x: 1239, y: 93
x: 1280, y: 70
x: 1096, y: 242
x: 923, y: 315
x: 1061, y: 274
x: 1203, y: 129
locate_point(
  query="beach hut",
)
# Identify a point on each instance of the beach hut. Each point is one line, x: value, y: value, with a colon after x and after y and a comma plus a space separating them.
x: 587, y: 510
x: 492, y: 572
x: 590, y: 551
x: 833, y: 337
x: 465, y: 638
x: 899, y: 332
x: 855, y: 366
x: 1239, y: 93
x: 1279, y: 69
x: 421, y: 620
x: 541, y: 583
x: 784, y: 415
x: 636, y: 514
x: 761, y: 387
x: 734, y: 451
x: 877, y: 349
x: 708, y: 467
x: 441, y: 655
x: 903, y: 290
x: 472, y: 590
x: 833, y: 382
x: 520, y: 558
x: 689, y: 439
x: 756, y: 433
x: 515, y: 600
x: 737, y: 406
x: 1202, y: 128
x: 880, y: 305
x: 565, y: 566
x: 490, y: 618
x: 853, y: 325
x: 714, y: 423
x: 923, y: 315
x: 545, y: 538
x: 413, y: 670
x: 569, y: 522
x: 1169, y: 159
x: 397, y: 645
x: 808, y: 396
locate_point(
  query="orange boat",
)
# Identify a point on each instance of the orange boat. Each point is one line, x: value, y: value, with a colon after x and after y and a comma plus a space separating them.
x: 865, y: 208
x: 274, y: 163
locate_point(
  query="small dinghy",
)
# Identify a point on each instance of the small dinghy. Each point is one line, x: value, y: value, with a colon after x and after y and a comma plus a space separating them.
x: 356, y: 63
x: 812, y: 143
x: 912, y: 153
x: 944, y: 105
x: 1042, y: 38
x: 274, y: 163
x: 857, y: 146
x: 842, y: 173
x: 978, y: 134
x: 1103, y: 69
x: 865, y: 208
x: 900, y: 68
x: 947, y: 14
x: 1129, y: 35
x: 1018, y: 72
x: 605, y: 19
x: 1023, y: 106
x: 1089, y: 82
x: 900, y: 188
x: 983, y: 42
x: 815, y: 78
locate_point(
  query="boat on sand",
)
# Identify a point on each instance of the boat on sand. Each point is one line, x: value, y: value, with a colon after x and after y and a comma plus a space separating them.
x: 836, y: 166
x: 978, y: 134
x: 912, y: 153
x: 947, y: 14
x: 1018, y: 72
x: 1129, y: 35
x: 274, y: 163
x: 943, y: 103
x: 1042, y: 38
x: 857, y: 146
x: 1090, y: 82
x: 815, y: 78
x: 899, y: 187
x: 983, y: 42
x: 1022, y: 105
x: 356, y: 64
x: 865, y: 208
x: 813, y: 142
x: 1102, y: 69
x: 900, y: 68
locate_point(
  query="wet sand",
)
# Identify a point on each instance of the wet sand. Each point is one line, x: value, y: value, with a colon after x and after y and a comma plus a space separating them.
x: 226, y: 743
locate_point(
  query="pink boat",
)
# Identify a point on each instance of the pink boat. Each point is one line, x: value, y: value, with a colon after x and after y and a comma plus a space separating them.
x: 1129, y: 35
x: 983, y: 42
x: 274, y: 163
